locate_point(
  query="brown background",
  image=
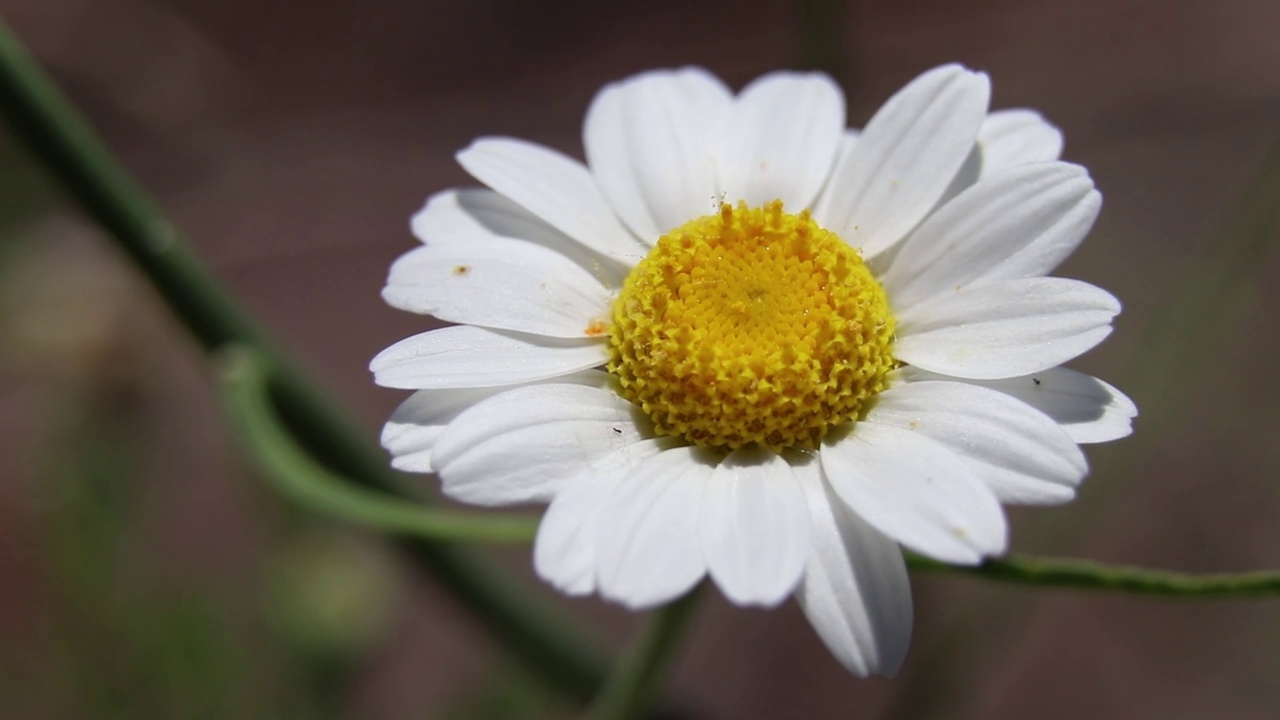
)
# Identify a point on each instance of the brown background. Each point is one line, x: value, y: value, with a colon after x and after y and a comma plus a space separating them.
x: 292, y: 140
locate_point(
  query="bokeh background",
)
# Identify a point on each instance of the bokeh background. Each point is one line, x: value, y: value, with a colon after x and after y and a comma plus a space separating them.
x: 146, y: 573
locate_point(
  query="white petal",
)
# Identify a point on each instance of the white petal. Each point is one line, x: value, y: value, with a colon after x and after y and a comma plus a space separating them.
x: 647, y: 548
x: 1005, y: 329
x: 781, y: 139
x: 968, y: 174
x: 755, y: 528
x: 648, y: 142
x: 554, y: 187
x: 1015, y: 224
x: 564, y: 553
x: 420, y: 420
x: 415, y: 426
x: 845, y: 147
x: 855, y: 590
x: 1018, y: 451
x: 905, y: 159
x: 500, y: 284
x: 916, y: 491
x: 521, y: 445
x: 1014, y: 137
x: 444, y: 218
x: 1088, y: 409
x: 465, y: 356
x: 470, y: 216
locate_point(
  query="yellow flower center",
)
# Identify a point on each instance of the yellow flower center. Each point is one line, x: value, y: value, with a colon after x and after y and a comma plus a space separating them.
x: 751, y: 325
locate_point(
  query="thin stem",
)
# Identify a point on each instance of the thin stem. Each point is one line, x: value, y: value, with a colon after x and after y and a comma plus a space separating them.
x: 54, y: 132
x: 627, y: 692
x: 1089, y: 575
x: 295, y: 475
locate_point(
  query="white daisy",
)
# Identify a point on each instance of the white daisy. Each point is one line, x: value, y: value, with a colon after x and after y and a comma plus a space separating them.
x: 745, y: 342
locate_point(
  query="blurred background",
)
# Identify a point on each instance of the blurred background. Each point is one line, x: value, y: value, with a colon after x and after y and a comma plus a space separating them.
x: 146, y: 573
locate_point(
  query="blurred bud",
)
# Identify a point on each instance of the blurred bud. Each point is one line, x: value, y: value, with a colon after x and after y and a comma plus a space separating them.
x: 331, y: 594
x: 65, y: 311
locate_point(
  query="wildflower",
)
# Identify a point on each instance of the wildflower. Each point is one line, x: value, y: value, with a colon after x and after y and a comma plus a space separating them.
x: 743, y: 341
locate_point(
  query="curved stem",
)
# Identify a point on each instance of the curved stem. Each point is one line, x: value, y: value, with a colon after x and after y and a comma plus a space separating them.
x: 627, y: 691
x: 54, y: 132
x: 1089, y: 575
x: 295, y: 475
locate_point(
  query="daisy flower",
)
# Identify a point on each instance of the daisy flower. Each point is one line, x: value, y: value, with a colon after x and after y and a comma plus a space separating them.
x: 742, y: 341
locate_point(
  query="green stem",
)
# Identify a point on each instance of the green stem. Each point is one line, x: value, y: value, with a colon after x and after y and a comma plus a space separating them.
x: 627, y: 692
x: 295, y: 475
x: 1089, y: 575
x: 54, y: 132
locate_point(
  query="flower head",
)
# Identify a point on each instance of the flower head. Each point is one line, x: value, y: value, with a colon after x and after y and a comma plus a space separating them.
x: 743, y: 341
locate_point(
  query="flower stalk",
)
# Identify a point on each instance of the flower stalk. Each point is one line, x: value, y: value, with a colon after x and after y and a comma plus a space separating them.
x: 1089, y: 575
x: 630, y: 687
x: 65, y: 143
x: 296, y: 475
